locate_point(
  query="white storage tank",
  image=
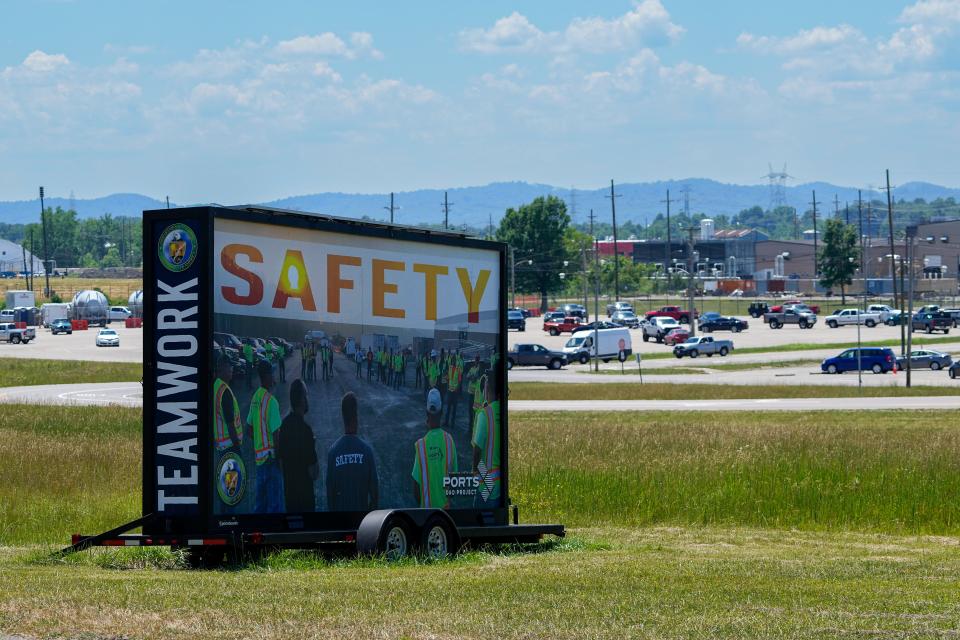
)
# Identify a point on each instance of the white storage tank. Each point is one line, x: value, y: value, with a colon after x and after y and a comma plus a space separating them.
x: 135, y: 304
x: 91, y: 306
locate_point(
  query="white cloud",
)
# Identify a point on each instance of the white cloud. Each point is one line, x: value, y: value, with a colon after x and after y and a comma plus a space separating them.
x: 512, y: 33
x: 935, y: 12
x: 329, y: 44
x: 122, y: 66
x: 40, y: 62
x: 805, y: 40
x: 323, y: 69
x: 647, y: 23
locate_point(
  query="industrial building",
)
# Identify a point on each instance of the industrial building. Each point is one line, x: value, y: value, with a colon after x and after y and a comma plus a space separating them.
x: 15, y: 259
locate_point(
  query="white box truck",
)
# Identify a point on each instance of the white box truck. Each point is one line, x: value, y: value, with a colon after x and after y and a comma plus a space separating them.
x: 16, y: 299
x: 609, y: 344
x: 54, y: 311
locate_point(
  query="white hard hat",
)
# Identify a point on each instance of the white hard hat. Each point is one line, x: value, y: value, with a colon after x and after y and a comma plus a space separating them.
x: 434, y: 404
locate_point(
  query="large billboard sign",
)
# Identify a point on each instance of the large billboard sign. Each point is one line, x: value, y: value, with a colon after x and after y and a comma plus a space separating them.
x: 305, y: 371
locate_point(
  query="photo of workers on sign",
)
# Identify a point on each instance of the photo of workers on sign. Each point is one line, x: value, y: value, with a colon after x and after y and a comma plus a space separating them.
x: 366, y: 374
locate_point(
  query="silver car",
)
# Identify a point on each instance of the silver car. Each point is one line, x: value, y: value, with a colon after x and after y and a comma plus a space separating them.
x: 925, y: 359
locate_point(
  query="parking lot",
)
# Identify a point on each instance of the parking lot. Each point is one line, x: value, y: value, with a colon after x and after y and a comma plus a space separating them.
x: 769, y: 365
x: 80, y: 345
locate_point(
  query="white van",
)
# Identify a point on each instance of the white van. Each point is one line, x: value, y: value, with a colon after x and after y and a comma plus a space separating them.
x: 611, y: 341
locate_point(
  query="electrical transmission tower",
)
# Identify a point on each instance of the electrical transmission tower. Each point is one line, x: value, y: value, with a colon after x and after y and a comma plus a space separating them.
x: 778, y: 186
x: 686, y: 200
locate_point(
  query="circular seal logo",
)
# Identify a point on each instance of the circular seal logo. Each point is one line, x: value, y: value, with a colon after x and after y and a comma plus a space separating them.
x: 178, y: 247
x: 231, y: 479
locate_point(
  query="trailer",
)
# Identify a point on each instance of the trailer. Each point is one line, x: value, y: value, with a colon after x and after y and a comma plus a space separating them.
x: 315, y: 450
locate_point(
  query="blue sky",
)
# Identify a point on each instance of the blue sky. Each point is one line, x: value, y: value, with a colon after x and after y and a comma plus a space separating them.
x: 249, y: 101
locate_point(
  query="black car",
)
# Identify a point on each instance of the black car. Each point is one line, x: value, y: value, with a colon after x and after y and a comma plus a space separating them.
x: 575, y: 311
x: 61, y: 326
x: 723, y: 323
x: 602, y: 324
x: 515, y: 320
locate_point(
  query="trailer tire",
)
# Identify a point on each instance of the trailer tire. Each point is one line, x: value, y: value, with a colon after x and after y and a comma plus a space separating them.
x: 385, y: 533
x: 438, y: 538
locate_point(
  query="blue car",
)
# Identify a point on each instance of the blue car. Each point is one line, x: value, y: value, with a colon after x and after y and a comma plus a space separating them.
x: 876, y: 359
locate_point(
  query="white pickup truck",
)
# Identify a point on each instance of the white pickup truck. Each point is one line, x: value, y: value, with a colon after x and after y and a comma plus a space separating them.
x: 852, y: 316
x: 10, y: 333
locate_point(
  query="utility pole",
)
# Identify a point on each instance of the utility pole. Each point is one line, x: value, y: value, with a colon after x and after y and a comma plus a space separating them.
x: 489, y: 226
x: 846, y: 212
x: 596, y: 295
x: 26, y: 276
x: 168, y: 202
x: 446, y: 210
x: 690, y: 263
x: 667, y: 248
x: 816, y: 258
x: 46, y: 246
x: 616, y: 253
x: 911, y: 237
x: 33, y: 257
x: 893, y: 268
x: 863, y: 255
x: 392, y: 208
x: 836, y: 207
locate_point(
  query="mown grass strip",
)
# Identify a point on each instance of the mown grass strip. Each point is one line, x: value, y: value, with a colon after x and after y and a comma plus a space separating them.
x: 16, y: 372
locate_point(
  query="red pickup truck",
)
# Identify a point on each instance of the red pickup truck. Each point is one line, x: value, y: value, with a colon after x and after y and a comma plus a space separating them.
x: 564, y: 325
x: 676, y: 313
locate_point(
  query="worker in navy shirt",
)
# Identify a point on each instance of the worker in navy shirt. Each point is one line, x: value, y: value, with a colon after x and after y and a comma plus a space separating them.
x: 352, y: 483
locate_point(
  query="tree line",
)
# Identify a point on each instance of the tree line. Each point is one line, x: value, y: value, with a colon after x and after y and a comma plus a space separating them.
x: 106, y: 241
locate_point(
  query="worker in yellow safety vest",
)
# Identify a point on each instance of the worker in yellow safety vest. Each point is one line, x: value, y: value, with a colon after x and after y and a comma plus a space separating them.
x: 264, y: 420
x: 227, y: 426
x: 454, y: 380
x: 486, y: 446
x: 435, y: 457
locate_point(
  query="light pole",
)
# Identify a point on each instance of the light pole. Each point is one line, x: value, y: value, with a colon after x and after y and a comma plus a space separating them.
x: 513, y: 277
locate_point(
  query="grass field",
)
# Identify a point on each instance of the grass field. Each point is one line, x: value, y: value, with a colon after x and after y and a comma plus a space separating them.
x: 15, y: 372
x: 757, y: 526
x: 696, y: 391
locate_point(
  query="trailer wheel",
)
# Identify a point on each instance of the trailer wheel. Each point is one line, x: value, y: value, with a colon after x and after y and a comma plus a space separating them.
x: 385, y: 533
x: 437, y: 538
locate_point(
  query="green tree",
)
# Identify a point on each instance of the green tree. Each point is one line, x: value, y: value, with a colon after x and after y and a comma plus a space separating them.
x: 536, y: 233
x: 838, y: 258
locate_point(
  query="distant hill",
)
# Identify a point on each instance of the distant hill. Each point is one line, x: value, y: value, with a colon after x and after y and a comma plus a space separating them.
x: 476, y: 206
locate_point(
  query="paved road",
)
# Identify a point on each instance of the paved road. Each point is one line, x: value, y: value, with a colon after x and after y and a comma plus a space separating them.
x: 130, y: 395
